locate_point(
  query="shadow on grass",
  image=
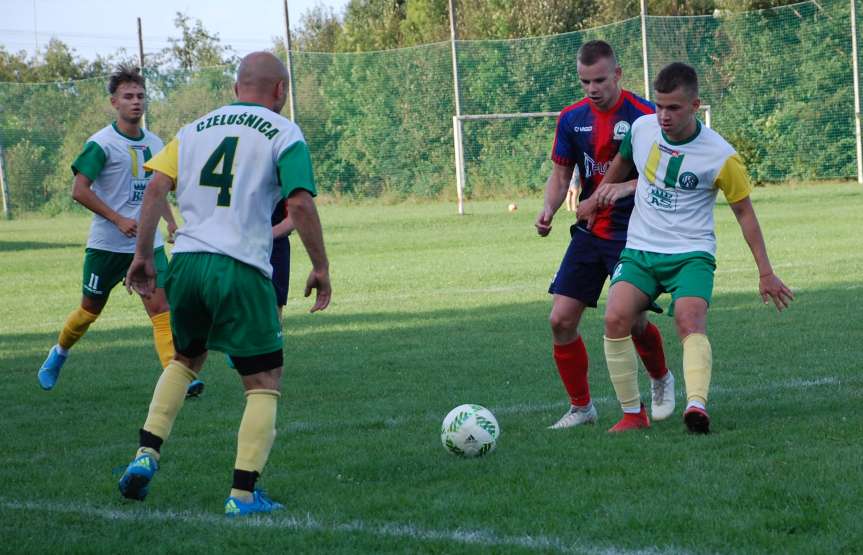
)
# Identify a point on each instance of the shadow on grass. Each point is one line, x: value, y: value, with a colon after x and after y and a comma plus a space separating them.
x: 13, y: 246
x: 511, y: 341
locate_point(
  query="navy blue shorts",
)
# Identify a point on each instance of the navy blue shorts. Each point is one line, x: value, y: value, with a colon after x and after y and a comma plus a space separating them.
x: 281, y: 261
x: 586, y: 265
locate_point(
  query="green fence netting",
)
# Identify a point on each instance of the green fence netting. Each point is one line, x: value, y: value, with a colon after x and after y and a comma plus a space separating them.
x: 779, y: 83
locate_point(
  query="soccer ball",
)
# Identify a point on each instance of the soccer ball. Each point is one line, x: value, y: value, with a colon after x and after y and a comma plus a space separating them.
x: 469, y: 431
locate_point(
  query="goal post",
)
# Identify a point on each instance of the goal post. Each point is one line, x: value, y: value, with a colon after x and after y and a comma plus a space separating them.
x: 458, y: 139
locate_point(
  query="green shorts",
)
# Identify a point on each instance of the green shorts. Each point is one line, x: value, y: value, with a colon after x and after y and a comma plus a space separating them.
x: 220, y: 303
x: 688, y: 274
x: 103, y: 270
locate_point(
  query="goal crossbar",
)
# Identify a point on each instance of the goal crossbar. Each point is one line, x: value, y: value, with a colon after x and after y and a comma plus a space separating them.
x: 458, y: 139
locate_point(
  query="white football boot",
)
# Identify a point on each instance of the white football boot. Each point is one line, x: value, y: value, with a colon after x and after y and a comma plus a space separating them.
x: 576, y: 416
x: 662, y: 396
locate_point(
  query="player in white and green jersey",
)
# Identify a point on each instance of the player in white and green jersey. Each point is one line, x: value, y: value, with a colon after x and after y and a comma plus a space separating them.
x: 110, y: 179
x: 671, y: 245
x: 229, y: 169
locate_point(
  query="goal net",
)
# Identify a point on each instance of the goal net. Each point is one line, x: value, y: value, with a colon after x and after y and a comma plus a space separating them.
x: 509, y: 153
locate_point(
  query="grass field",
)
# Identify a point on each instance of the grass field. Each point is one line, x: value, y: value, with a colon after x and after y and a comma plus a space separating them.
x: 431, y: 310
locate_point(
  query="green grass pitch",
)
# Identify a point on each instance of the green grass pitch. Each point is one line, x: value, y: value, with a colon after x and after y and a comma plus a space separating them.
x: 431, y: 310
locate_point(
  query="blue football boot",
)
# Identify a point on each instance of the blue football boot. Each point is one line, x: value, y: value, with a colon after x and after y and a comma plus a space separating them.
x: 260, y: 503
x: 135, y: 482
x: 196, y: 387
x: 50, y: 370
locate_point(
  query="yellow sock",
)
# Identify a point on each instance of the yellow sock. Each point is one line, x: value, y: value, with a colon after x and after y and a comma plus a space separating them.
x: 168, y: 399
x: 75, y: 327
x: 622, y: 363
x: 257, y: 430
x: 162, y: 337
x: 697, y: 367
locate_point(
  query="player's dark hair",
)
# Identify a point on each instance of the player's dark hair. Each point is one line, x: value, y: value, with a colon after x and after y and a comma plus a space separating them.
x: 594, y: 50
x: 125, y: 74
x: 674, y: 76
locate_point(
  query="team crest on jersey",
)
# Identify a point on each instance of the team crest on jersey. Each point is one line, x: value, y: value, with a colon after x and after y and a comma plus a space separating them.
x: 592, y: 167
x: 688, y: 181
x: 621, y: 128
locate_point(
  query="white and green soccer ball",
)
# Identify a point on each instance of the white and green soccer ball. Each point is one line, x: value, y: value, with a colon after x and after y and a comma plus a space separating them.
x: 469, y: 431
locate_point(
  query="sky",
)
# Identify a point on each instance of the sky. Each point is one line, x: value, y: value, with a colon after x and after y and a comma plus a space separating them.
x: 94, y: 27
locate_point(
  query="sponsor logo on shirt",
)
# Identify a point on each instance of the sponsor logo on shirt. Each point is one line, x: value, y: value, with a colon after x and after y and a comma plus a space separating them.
x: 662, y: 199
x: 586, y: 129
x: 669, y: 151
x: 136, y: 193
x: 592, y: 167
x: 621, y: 128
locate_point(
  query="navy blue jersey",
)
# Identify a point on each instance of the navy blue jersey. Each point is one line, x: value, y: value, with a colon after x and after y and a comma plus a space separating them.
x: 589, y: 138
x: 280, y: 212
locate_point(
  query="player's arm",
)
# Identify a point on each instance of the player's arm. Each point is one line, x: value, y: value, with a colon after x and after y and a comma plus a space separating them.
x: 609, y: 190
x: 555, y: 192
x: 298, y: 185
x: 304, y: 215
x: 141, y: 276
x: 284, y: 227
x: 168, y: 216
x: 769, y: 284
x: 84, y: 195
x: 87, y: 167
x: 734, y: 182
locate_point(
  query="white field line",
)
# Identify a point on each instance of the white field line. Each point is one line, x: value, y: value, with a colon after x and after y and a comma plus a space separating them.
x: 428, y: 419
x: 480, y: 537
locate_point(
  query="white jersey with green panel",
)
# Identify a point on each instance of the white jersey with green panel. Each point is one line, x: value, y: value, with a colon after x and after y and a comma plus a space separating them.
x: 115, y: 164
x: 230, y: 168
x: 677, y: 186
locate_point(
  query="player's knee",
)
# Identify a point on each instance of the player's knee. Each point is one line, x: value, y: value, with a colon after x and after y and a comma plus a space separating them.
x: 93, y: 306
x: 639, y: 325
x: 260, y: 371
x: 617, y: 324
x: 688, y: 324
x: 562, y: 324
x: 271, y: 379
x: 156, y: 305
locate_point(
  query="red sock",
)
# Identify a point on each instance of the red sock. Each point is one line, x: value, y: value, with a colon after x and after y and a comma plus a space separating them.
x: 649, y: 347
x: 571, y: 360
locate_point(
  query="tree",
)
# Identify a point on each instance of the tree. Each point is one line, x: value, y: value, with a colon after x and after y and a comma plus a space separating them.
x: 320, y: 31
x: 195, y: 48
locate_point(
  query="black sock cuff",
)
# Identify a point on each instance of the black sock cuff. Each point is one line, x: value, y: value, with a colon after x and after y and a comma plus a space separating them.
x: 151, y: 441
x: 245, y: 479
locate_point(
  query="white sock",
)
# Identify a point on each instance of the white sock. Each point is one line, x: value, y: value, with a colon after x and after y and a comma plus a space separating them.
x: 61, y: 351
x: 696, y: 404
x: 632, y: 410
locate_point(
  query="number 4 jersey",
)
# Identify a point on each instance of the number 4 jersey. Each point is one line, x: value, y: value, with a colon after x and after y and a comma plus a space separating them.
x: 230, y: 168
x: 677, y: 186
x: 114, y: 162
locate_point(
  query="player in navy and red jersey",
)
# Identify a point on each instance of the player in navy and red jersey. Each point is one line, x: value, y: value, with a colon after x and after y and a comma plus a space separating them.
x: 588, y: 135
